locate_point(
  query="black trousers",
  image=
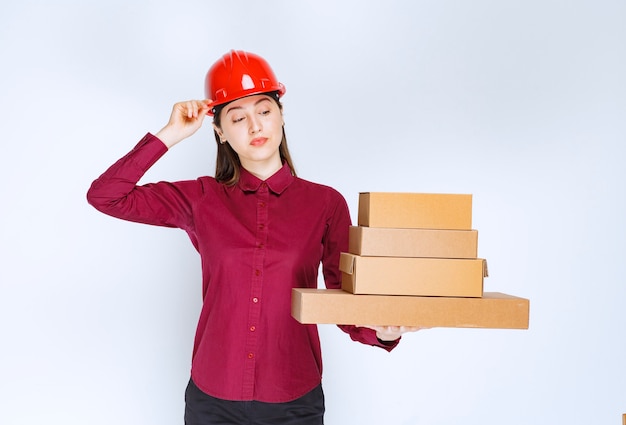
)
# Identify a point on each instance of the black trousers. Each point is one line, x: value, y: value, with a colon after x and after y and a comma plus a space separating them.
x: 202, y: 409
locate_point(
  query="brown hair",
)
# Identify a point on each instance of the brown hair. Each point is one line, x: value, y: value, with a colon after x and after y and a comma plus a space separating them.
x: 227, y: 164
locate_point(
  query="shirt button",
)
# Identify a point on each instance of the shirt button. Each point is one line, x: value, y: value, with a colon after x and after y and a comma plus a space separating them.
x: 261, y: 226
x: 250, y: 355
x: 257, y: 272
x: 262, y: 204
x: 255, y: 300
x: 260, y: 246
x: 263, y: 184
x: 252, y: 328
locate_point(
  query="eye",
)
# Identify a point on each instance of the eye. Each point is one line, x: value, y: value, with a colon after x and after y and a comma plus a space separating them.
x: 237, y: 119
x: 265, y: 112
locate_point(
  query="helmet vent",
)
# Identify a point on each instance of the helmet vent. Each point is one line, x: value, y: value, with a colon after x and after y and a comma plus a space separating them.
x: 246, y: 82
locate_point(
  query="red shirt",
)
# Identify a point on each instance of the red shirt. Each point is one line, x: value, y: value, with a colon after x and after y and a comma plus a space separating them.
x: 257, y: 240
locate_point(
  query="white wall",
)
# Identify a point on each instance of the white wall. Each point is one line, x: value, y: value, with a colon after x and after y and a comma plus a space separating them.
x: 521, y: 103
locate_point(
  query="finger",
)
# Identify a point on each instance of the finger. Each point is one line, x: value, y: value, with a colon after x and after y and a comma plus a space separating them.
x: 374, y: 327
x: 184, y: 109
x: 190, y: 109
x: 205, y: 106
x: 181, y: 109
x: 380, y: 328
x: 394, y: 329
x: 196, y: 106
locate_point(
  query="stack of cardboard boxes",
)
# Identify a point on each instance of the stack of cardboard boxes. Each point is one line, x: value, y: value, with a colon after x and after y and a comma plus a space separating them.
x: 412, y: 261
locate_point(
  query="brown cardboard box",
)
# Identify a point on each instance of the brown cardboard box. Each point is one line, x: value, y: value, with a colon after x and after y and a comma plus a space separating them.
x: 412, y: 276
x: 391, y: 242
x: 334, y: 306
x: 415, y: 210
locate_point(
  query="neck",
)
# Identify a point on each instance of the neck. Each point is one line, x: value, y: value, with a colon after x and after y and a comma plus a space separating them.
x: 263, y: 170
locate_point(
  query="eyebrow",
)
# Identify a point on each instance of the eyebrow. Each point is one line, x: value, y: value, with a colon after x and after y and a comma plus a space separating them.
x: 232, y: 108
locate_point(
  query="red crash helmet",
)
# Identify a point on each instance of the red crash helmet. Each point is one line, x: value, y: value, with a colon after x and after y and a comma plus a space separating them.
x: 238, y: 74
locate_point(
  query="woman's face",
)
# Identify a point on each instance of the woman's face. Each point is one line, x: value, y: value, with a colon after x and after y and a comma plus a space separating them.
x: 253, y: 126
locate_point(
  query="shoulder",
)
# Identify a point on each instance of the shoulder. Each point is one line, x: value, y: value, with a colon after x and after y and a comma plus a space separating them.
x: 318, y: 188
x: 199, y: 187
x: 207, y: 181
x: 323, y: 195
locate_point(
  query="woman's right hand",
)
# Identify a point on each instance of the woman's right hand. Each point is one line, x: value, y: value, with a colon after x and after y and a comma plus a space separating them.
x: 185, y: 120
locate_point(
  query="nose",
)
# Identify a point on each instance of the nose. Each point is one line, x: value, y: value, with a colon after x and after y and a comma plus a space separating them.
x: 255, y: 124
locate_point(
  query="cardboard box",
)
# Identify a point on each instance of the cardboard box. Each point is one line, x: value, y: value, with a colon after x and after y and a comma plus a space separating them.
x: 334, y: 306
x: 415, y: 210
x: 412, y: 276
x: 392, y: 242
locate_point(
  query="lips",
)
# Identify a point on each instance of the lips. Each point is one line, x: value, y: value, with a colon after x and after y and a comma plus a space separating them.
x: 258, y: 141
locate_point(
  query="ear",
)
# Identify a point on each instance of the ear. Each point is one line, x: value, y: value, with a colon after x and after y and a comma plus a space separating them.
x: 219, y: 132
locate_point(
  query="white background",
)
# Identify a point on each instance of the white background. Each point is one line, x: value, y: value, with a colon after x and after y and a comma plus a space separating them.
x: 520, y: 103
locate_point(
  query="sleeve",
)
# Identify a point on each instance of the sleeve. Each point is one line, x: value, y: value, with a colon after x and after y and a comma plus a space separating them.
x: 116, y: 193
x: 336, y: 242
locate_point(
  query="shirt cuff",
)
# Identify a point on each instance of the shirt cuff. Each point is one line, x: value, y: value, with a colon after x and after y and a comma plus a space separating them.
x: 373, y: 340
x: 151, y: 148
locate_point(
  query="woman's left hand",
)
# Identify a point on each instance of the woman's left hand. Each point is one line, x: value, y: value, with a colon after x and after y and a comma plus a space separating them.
x: 391, y: 333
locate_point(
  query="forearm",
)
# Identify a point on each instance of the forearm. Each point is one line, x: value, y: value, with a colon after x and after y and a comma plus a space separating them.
x: 169, y: 136
x: 109, y: 192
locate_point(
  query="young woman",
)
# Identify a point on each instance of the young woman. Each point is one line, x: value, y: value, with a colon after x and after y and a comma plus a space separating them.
x: 260, y: 231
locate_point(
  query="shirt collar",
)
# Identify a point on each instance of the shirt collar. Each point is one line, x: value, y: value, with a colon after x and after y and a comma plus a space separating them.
x: 277, y: 182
